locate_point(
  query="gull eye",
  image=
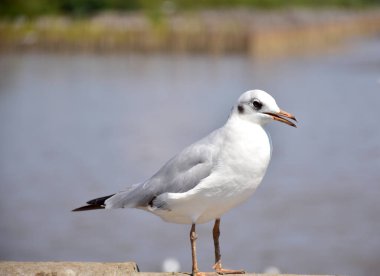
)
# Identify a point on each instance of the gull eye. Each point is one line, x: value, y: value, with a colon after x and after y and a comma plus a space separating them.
x: 257, y: 104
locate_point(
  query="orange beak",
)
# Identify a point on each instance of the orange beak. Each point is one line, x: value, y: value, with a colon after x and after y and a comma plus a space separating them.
x: 280, y: 116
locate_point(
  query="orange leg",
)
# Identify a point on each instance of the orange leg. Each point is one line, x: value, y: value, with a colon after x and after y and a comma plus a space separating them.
x: 218, y: 262
x: 193, y: 238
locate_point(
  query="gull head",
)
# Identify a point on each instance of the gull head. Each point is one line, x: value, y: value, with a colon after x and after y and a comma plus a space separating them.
x: 259, y: 107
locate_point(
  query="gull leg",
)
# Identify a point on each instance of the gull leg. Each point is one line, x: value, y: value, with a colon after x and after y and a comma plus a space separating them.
x: 215, y: 235
x: 193, y: 238
x: 218, y: 262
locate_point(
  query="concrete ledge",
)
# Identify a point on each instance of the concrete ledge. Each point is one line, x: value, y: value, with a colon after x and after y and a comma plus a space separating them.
x: 66, y: 268
x: 88, y: 269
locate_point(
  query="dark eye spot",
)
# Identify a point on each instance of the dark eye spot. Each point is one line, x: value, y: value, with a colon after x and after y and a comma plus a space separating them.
x: 257, y: 104
x: 240, y: 108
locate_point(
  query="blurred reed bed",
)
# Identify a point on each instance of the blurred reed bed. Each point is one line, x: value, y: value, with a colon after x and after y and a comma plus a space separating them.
x: 257, y: 33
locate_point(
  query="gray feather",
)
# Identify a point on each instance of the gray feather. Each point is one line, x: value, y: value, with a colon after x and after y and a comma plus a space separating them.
x: 180, y: 174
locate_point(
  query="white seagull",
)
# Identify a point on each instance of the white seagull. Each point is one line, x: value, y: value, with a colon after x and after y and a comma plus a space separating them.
x: 211, y: 176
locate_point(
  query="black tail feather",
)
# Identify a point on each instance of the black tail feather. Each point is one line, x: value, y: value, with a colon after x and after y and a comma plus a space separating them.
x: 94, y: 204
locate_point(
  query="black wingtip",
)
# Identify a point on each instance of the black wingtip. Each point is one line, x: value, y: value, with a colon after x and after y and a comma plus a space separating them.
x: 87, y: 208
x: 99, y: 200
x: 94, y: 204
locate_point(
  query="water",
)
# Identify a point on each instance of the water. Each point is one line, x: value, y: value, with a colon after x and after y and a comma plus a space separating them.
x: 74, y: 127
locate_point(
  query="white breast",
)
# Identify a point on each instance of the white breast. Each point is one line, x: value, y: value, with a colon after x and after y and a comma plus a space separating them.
x: 240, y: 167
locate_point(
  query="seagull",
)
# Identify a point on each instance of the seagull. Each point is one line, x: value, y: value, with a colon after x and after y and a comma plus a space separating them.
x: 209, y: 177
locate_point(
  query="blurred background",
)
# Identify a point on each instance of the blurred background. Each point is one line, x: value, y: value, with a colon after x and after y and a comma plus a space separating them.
x: 97, y: 95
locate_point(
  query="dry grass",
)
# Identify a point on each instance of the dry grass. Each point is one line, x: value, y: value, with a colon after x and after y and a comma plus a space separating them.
x: 269, y: 33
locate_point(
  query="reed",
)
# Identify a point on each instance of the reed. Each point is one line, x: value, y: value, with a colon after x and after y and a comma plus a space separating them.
x: 256, y: 33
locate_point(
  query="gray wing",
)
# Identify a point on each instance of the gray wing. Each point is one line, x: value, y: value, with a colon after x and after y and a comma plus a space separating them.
x: 180, y: 174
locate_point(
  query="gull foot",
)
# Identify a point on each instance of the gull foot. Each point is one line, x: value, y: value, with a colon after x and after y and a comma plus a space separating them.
x: 202, y: 274
x: 221, y: 271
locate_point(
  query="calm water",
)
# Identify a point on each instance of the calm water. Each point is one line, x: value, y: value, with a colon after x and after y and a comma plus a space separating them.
x: 77, y: 127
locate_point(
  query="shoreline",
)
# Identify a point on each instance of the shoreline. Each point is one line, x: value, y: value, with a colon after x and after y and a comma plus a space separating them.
x: 254, y: 33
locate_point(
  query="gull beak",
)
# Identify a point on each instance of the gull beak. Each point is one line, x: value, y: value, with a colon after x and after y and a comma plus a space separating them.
x: 281, y: 115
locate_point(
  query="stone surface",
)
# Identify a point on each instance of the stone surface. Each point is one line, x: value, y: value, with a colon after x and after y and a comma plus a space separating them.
x: 66, y: 268
x: 90, y: 268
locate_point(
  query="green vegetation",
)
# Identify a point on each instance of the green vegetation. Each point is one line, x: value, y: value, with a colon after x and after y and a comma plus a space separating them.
x: 79, y: 8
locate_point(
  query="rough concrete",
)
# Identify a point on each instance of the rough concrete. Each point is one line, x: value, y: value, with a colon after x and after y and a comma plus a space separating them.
x: 89, y: 269
x: 66, y: 268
